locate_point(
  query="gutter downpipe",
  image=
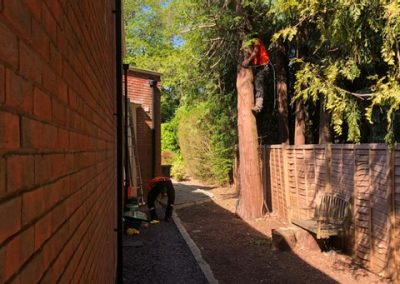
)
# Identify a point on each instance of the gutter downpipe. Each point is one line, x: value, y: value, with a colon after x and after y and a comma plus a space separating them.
x: 153, y: 85
x: 126, y: 104
x: 118, y: 73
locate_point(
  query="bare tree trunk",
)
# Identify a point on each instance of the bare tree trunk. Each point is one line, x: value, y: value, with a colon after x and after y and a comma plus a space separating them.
x: 251, y: 195
x: 300, y: 124
x: 324, y: 122
x: 281, y: 87
x: 236, y: 172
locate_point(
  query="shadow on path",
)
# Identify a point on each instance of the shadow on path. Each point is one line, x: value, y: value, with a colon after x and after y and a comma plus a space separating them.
x: 160, y: 255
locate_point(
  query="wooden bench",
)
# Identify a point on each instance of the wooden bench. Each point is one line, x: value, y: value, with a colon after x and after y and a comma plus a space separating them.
x: 331, y: 216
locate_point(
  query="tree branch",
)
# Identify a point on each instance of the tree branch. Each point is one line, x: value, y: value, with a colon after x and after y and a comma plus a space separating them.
x: 358, y: 95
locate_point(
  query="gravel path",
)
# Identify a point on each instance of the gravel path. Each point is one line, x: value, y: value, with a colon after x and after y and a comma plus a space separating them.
x: 160, y: 255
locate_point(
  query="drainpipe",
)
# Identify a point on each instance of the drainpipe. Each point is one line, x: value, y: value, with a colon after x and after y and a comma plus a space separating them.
x: 127, y: 168
x: 118, y: 73
x: 153, y: 85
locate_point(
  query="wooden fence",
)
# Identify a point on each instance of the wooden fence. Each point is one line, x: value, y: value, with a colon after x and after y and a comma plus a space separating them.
x: 368, y: 173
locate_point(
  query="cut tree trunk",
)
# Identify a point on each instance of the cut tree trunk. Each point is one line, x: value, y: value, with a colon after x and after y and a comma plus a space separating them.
x: 281, y: 86
x: 251, y: 197
x: 300, y: 124
x: 324, y: 124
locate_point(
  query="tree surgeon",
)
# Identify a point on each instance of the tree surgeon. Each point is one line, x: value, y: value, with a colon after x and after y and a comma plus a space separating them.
x: 256, y: 56
x: 160, y: 186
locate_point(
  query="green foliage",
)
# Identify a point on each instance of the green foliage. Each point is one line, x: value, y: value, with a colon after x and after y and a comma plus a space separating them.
x: 178, y: 168
x: 339, y: 45
x: 344, y: 51
x: 197, y: 72
x: 206, y: 155
x: 387, y: 95
x: 169, y: 139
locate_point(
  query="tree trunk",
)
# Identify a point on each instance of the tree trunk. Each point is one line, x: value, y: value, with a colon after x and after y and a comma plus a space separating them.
x: 324, y: 132
x: 251, y: 196
x: 281, y: 87
x: 300, y: 124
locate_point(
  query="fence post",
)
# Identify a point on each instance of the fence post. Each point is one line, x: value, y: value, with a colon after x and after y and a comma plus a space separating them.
x: 286, y: 183
x: 391, y: 194
x: 328, y: 160
x: 264, y: 176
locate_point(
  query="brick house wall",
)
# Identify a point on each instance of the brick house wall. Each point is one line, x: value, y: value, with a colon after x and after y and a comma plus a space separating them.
x: 57, y: 141
x: 140, y: 92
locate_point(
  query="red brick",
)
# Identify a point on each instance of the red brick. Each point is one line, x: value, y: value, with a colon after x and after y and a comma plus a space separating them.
x: 35, y: 8
x: 2, y: 264
x: 43, y: 230
x: 42, y: 169
x: 10, y: 218
x: 59, y: 112
x: 54, y: 245
x: 52, y: 196
x: 61, y: 41
x: 38, y: 135
x: 33, y: 271
x: 62, y: 90
x: 30, y: 130
x: 58, y: 165
x: 72, y: 266
x: 2, y: 84
x: 18, y: 16
x: 32, y: 205
x: 18, y: 251
x: 30, y: 65
x: 9, y: 129
x: 74, y: 203
x: 63, y: 139
x: 42, y: 105
x: 70, y: 162
x: 15, y: 280
x: 41, y: 41
x: 18, y: 92
x: 78, y: 273
x: 49, y: 22
x: 2, y: 175
x: 72, y: 99
x: 50, y: 136
x: 56, y: 271
x: 58, y: 215
x: 20, y: 172
x: 8, y: 46
x: 57, y: 11
x: 49, y: 79
x: 43, y: 64
x: 55, y: 59
x: 65, y: 186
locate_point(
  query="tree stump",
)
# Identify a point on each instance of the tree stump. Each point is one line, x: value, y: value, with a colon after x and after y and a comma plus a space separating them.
x: 250, y: 204
x: 283, y: 239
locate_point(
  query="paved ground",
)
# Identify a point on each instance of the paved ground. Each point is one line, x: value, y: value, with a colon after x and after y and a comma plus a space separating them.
x: 191, y: 193
x: 160, y: 253
x: 238, y: 251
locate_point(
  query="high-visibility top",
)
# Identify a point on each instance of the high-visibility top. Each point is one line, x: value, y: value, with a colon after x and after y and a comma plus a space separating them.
x: 262, y: 56
x: 156, y: 180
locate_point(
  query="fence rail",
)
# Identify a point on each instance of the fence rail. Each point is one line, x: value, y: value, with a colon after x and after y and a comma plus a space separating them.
x: 294, y: 176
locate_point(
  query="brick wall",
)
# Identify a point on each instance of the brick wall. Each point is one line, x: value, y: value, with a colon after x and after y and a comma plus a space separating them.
x: 57, y: 141
x: 140, y: 92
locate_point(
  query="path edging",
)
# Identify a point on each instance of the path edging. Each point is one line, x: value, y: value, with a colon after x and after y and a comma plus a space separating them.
x: 204, y: 266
